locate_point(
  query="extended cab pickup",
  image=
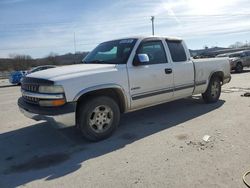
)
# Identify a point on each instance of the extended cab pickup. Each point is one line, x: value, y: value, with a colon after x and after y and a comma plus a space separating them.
x: 117, y: 77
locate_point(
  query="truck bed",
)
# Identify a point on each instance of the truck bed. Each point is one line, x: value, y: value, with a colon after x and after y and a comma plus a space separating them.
x: 206, y: 66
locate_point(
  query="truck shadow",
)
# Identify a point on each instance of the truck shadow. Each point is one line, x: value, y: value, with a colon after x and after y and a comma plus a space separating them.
x: 243, y: 72
x: 40, y: 151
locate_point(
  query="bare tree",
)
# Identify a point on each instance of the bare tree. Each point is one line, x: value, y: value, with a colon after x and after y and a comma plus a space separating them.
x: 236, y: 45
x: 51, y: 58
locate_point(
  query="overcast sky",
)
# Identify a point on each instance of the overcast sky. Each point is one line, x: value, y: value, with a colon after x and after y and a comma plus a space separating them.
x: 38, y: 27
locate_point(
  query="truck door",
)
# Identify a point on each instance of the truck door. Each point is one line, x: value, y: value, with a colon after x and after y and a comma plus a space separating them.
x: 183, y: 69
x: 151, y: 82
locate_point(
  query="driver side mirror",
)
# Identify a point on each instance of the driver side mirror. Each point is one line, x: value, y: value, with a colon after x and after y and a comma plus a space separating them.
x: 141, y: 59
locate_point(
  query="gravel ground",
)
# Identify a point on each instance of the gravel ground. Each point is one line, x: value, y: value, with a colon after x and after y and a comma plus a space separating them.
x: 157, y: 147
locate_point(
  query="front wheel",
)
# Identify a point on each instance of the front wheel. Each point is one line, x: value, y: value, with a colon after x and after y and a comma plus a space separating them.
x: 213, y: 92
x: 98, y: 118
x: 239, y: 68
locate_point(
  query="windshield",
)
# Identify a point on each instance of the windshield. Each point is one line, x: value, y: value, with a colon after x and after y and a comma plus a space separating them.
x: 112, y: 52
x: 235, y: 55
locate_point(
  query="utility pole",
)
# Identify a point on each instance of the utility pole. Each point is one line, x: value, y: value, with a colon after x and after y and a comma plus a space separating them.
x: 153, y: 25
x: 75, y: 42
x: 75, y: 45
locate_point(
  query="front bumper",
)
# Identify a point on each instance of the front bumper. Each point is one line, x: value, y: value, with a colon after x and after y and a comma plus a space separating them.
x: 63, y: 116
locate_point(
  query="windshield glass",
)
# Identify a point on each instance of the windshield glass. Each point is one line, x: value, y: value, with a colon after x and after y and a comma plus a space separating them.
x: 235, y: 55
x: 112, y: 52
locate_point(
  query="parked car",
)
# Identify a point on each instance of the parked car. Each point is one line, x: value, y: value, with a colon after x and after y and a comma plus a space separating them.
x: 120, y: 76
x: 16, y: 76
x: 40, y: 68
x: 238, y: 60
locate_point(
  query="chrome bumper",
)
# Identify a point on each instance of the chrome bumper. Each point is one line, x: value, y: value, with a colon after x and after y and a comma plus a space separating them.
x: 60, y: 121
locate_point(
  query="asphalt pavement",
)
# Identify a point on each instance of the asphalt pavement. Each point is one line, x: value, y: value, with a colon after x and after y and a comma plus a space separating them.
x: 160, y: 146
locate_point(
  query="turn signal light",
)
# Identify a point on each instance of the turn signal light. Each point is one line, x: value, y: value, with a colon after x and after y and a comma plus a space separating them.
x: 51, y: 103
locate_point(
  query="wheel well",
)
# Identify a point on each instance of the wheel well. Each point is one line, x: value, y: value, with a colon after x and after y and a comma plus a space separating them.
x: 113, y: 93
x: 218, y: 74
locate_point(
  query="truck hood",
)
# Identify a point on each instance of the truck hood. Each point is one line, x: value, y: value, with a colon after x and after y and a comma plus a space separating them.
x: 70, y: 71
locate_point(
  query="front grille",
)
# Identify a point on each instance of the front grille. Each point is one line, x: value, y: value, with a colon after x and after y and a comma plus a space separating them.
x: 30, y: 87
x: 31, y: 100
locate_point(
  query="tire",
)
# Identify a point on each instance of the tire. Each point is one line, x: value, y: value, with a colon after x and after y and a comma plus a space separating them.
x: 213, y: 91
x: 239, y: 68
x: 98, y: 118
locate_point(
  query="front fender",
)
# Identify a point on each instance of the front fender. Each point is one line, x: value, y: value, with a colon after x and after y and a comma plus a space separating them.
x: 101, y: 87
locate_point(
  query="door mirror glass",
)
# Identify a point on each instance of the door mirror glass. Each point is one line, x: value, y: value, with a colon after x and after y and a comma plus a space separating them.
x: 141, y: 59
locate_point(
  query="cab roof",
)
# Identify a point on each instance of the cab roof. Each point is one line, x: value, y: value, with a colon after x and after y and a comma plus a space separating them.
x: 152, y: 37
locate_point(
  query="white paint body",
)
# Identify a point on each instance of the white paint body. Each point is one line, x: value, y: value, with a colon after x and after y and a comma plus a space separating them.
x: 78, y: 79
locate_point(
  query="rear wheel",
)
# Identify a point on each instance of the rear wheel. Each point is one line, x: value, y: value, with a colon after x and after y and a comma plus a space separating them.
x: 213, y: 92
x: 239, y: 67
x: 98, y: 118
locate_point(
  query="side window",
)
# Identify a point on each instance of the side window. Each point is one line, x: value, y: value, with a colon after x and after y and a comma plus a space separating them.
x: 247, y: 54
x: 177, y: 51
x: 155, y: 52
x: 43, y: 68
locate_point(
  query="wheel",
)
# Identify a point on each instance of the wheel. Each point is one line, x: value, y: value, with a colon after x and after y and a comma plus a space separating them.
x: 98, y: 118
x: 213, y: 92
x: 239, y: 68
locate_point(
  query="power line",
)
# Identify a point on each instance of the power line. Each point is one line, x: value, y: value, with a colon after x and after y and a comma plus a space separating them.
x: 129, y: 19
x: 11, y: 31
x: 188, y: 16
x: 207, y: 15
x: 70, y: 22
x: 43, y: 47
x: 73, y: 25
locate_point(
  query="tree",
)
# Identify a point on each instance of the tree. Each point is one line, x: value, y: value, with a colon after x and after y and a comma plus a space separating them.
x: 205, y: 47
x: 51, y: 58
x: 20, y: 62
x: 237, y: 45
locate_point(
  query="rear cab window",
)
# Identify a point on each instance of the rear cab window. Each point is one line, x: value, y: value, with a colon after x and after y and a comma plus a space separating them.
x: 177, y: 50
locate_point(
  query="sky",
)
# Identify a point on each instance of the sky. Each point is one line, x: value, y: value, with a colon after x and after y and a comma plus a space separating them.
x: 41, y: 27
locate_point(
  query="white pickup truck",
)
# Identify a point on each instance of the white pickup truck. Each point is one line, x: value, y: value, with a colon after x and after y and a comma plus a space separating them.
x: 120, y: 76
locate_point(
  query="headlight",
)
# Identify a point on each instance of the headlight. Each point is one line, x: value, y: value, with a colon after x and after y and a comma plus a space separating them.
x: 51, y: 89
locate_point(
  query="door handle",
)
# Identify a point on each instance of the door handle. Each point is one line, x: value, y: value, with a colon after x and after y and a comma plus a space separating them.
x: 168, y: 71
